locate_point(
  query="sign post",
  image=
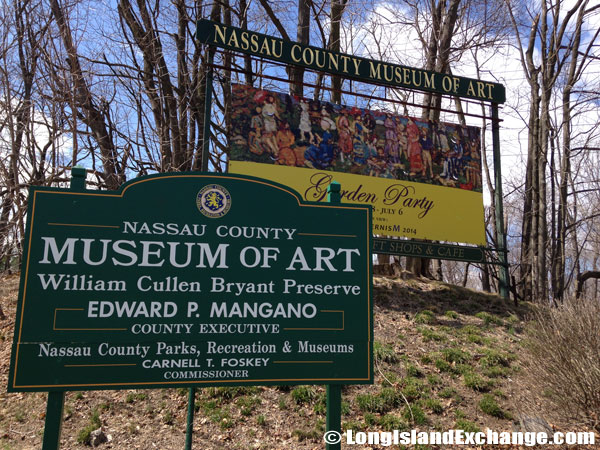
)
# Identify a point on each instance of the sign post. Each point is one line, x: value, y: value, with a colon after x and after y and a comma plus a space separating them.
x: 504, y: 275
x: 334, y: 391
x: 56, y: 399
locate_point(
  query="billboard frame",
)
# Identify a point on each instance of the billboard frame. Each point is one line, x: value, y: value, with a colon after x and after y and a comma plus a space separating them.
x: 216, y: 35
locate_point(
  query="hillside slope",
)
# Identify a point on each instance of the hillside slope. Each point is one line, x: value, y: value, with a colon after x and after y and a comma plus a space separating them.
x: 446, y: 357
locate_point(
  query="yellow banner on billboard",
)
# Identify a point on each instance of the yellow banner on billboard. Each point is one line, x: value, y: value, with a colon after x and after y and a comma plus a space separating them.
x: 400, y: 208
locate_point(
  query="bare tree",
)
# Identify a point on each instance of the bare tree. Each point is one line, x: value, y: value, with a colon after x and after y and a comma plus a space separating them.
x: 29, y: 125
x: 94, y: 112
x: 560, y: 57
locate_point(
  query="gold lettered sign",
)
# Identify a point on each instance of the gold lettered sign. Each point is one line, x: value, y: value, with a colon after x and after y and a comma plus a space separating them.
x: 400, y: 208
x: 192, y: 279
x: 369, y: 70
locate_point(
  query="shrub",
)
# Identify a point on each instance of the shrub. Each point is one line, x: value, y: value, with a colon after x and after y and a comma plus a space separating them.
x: 563, y: 345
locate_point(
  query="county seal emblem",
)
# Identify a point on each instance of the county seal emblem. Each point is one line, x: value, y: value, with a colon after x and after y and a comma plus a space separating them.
x: 213, y: 201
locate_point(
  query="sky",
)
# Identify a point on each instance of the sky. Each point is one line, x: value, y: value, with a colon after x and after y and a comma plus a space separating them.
x: 401, y: 45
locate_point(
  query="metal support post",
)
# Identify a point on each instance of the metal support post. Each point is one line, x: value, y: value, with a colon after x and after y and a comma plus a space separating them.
x: 504, y: 277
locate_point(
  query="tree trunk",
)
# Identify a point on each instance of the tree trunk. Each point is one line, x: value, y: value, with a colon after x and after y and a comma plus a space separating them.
x: 337, y: 9
x: 581, y: 279
x: 437, y: 58
x: 302, y: 35
x: 95, y: 118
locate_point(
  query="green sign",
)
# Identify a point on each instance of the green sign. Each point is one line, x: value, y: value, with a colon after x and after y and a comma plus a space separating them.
x: 348, y: 66
x: 192, y: 280
x: 428, y: 250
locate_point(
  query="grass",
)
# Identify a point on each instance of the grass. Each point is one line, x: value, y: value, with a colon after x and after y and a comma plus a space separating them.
x: 390, y: 422
x: 231, y: 392
x: 320, y: 404
x: 83, y: 437
x: 304, y: 394
x: 467, y: 426
x: 430, y: 335
x: 489, y: 319
x: 247, y: 404
x: 217, y: 414
x: 434, y: 405
x: 456, y: 355
x: 451, y: 315
x: 426, y: 359
x: 355, y: 425
x: 489, y: 406
x: 414, y: 415
x: 434, y: 380
x: 307, y: 435
x: 442, y: 365
x: 413, y: 371
x: 413, y: 388
x: 385, y: 353
x: 383, y: 402
x: 20, y: 416
x: 133, y: 396
x: 447, y: 392
x: 168, y: 417
x: 425, y: 317
x: 476, y: 382
x: 495, y: 372
x: 494, y: 358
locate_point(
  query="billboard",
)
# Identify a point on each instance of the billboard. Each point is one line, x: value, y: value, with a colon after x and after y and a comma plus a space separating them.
x: 192, y: 280
x: 422, y: 178
x: 323, y: 60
